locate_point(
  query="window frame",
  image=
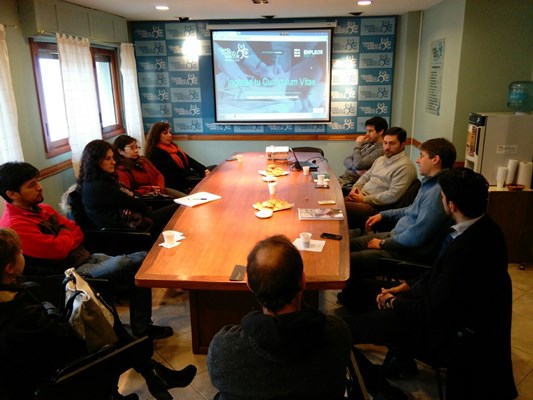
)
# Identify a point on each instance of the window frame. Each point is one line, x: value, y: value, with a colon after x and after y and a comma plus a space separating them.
x: 56, y: 147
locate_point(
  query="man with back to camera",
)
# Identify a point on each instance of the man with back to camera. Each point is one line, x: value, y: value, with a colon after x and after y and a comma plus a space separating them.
x: 419, y: 228
x: 367, y: 149
x: 458, y: 314
x: 53, y: 243
x: 287, y: 351
x: 384, y: 184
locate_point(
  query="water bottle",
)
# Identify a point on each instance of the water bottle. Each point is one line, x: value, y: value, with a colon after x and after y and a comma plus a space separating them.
x: 520, y: 96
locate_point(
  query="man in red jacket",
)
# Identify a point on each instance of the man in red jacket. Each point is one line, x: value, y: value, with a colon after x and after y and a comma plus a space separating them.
x: 53, y: 243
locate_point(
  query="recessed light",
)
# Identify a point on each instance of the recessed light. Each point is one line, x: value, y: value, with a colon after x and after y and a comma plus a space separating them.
x: 162, y: 8
x: 364, y: 2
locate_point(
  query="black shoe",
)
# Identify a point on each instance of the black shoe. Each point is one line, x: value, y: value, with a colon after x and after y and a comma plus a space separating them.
x: 160, y: 378
x: 175, y: 379
x: 156, y: 332
x: 396, y: 366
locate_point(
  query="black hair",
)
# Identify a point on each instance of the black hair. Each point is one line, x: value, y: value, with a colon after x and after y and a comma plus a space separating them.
x: 154, y: 136
x: 274, y: 271
x: 93, y: 153
x: 13, y: 174
x: 400, y: 133
x: 467, y: 189
x: 379, y: 123
x: 440, y: 147
x: 119, y: 144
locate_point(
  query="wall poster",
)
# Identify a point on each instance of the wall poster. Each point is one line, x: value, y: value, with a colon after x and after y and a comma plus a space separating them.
x: 435, y: 77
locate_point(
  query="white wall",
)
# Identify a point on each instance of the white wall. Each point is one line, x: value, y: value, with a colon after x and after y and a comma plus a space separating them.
x: 443, y: 21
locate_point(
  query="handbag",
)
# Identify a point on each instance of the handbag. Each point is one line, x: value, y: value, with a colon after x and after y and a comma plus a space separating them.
x: 90, y: 317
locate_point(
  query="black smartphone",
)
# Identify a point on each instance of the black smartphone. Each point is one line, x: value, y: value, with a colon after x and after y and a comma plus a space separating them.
x: 333, y: 236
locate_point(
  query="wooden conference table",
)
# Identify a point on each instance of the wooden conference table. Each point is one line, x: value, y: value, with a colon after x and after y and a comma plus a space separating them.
x: 221, y: 233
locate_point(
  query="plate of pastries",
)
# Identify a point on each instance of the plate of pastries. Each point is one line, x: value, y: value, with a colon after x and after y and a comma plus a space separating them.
x: 273, y: 204
x: 274, y: 170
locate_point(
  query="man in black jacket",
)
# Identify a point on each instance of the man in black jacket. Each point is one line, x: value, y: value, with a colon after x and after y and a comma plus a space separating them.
x: 458, y: 314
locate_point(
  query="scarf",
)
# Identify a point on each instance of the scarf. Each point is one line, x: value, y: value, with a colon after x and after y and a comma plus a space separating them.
x: 174, y: 150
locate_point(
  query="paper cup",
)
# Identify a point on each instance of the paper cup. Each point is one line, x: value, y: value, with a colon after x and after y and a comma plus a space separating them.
x: 305, y: 238
x: 272, y: 187
x: 306, y: 169
x: 501, y: 175
x: 170, y: 237
x: 321, y: 179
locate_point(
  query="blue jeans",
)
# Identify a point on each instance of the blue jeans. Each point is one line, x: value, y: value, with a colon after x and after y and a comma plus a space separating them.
x: 122, y: 269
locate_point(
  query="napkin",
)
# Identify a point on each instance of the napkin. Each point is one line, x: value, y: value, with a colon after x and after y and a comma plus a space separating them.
x: 315, y: 245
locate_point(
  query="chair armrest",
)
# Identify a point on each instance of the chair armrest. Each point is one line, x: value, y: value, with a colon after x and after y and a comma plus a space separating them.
x: 117, y: 241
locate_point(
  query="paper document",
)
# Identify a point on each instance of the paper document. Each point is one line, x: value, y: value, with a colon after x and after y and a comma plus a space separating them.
x: 196, y: 199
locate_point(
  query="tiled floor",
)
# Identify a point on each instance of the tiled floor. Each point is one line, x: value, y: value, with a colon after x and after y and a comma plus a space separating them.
x: 171, y: 308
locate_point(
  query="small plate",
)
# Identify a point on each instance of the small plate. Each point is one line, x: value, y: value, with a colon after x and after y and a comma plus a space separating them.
x: 264, y: 214
x: 270, y: 178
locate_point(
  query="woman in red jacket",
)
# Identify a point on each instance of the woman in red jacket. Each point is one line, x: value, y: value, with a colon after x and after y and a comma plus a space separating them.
x: 137, y: 172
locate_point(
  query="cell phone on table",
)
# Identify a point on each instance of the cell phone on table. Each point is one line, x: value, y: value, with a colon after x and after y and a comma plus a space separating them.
x: 333, y: 236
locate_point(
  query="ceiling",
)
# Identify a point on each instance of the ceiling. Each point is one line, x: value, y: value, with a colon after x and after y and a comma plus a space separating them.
x: 144, y: 10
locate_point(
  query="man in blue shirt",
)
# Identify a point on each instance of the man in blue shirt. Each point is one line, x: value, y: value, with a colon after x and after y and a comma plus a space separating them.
x: 419, y: 228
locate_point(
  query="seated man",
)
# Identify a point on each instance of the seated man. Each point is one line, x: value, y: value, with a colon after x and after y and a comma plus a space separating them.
x: 367, y: 149
x: 52, y: 243
x: 447, y: 316
x: 384, y: 183
x: 287, y: 351
x: 420, y: 227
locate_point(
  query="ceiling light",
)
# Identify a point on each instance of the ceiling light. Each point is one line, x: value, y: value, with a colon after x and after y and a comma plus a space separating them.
x: 364, y: 2
x: 162, y: 8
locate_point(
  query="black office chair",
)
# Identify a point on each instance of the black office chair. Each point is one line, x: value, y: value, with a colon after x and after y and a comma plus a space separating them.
x: 308, y: 150
x: 111, y: 241
x: 94, y: 376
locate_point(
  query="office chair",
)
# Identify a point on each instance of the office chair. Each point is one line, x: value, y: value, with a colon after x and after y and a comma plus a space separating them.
x: 111, y: 241
x: 94, y: 376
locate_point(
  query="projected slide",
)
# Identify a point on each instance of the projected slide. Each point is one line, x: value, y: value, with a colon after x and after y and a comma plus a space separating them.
x: 272, y: 75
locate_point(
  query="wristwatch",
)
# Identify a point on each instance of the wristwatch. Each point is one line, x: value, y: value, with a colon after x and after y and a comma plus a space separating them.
x: 382, y: 244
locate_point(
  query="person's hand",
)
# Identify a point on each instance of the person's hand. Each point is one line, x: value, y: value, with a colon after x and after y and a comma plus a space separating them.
x: 356, y: 195
x: 382, y: 298
x: 403, y: 287
x: 156, y: 189
x: 362, y: 139
x: 371, y: 221
x: 374, y: 244
x: 206, y: 172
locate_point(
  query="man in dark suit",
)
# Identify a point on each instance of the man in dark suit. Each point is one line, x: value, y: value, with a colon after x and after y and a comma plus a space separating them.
x: 458, y: 314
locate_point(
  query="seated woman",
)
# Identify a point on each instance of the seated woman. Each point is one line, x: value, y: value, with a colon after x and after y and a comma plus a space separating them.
x: 136, y: 172
x: 35, y: 340
x: 181, y: 172
x: 108, y: 203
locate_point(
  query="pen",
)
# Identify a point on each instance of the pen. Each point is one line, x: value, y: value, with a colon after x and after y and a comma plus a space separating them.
x: 202, y: 198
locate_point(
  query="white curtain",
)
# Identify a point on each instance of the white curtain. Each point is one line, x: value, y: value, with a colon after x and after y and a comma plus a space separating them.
x: 10, y: 146
x: 132, y: 104
x: 81, y: 103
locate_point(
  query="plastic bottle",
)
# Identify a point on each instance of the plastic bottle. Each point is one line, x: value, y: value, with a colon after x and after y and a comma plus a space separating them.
x: 520, y: 96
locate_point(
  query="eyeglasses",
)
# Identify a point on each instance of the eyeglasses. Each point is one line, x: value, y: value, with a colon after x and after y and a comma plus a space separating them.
x: 132, y: 147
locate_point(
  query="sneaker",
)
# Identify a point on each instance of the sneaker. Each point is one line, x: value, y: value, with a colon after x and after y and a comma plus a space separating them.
x: 156, y: 332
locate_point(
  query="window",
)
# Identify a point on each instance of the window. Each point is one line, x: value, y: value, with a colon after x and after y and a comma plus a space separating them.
x: 51, y: 101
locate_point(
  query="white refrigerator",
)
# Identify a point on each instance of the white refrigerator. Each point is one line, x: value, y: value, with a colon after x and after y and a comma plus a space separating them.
x: 495, y: 138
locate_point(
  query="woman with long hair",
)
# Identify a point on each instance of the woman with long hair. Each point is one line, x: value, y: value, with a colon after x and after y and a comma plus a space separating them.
x: 136, y: 172
x: 108, y: 203
x: 181, y: 171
